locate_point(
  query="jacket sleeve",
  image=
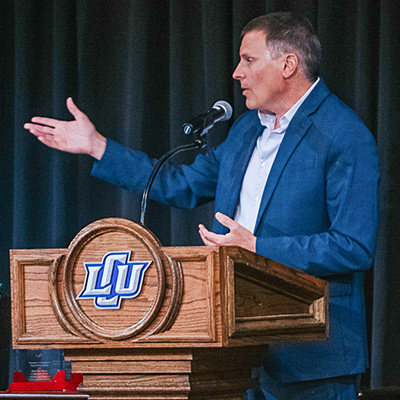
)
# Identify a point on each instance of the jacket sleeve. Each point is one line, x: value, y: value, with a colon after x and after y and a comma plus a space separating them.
x: 182, y: 186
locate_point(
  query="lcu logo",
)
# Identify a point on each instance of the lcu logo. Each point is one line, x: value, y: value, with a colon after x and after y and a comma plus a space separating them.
x: 114, y: 279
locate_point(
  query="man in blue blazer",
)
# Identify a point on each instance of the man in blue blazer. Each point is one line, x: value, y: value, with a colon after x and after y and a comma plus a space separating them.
x: 295, y: 180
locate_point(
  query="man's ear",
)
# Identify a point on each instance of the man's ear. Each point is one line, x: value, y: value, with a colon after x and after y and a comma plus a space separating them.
x: 290, y: 66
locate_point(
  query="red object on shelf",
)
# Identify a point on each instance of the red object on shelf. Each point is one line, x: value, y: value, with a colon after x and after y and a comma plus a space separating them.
x: 58, y: 383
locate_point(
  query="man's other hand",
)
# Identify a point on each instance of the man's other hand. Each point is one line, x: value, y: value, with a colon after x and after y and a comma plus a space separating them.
x: 78, y: 136
x: 237, y: 236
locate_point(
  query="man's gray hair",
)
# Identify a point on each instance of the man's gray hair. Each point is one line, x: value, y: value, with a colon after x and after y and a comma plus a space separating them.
x: 287, y: 32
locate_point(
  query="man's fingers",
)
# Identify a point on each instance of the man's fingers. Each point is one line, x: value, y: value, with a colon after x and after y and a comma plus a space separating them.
x: 39, y: 130
x: 74, y: 110
x: 206, y: 236
x: 45, y: 121
x: 225, y: 220
x: 48, y: 141
x: 205, y: 241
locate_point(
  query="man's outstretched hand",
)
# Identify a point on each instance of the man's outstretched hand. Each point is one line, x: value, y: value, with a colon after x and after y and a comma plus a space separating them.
x: 78, y: 136
x: 237, y: 236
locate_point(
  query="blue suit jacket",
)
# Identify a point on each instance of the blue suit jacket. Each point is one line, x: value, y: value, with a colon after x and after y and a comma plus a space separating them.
x: 318, y: 213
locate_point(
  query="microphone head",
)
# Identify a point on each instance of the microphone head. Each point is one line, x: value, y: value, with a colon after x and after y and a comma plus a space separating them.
x: 226, y: 107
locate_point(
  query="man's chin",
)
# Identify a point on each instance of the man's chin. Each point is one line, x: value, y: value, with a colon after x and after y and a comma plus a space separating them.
x: 250, y: 105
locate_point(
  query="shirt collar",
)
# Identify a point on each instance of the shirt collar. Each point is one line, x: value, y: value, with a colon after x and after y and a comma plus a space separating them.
x: 268, y: 120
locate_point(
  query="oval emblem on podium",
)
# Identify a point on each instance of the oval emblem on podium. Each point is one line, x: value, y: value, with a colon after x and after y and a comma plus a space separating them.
x: 117, y: 284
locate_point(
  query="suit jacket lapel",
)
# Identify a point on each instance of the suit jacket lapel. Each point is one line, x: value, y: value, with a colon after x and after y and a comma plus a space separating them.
x: 240, y: 161
x: 294, y: 134
x: 292, y: 138
x: 234, y: 173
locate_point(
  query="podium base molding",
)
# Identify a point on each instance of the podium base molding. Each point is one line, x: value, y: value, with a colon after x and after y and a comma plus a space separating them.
x: 158, y: 374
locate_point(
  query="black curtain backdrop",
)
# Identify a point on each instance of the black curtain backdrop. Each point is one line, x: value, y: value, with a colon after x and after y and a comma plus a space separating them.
x: 139, y: 69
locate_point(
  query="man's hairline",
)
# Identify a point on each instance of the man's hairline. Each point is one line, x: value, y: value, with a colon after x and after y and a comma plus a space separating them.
x: 267, y: 43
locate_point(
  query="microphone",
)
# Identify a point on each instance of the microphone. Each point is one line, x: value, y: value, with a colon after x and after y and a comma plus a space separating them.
x: 220, y: 111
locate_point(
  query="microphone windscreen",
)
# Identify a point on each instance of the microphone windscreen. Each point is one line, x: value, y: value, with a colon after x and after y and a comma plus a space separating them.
x: 228, y: 110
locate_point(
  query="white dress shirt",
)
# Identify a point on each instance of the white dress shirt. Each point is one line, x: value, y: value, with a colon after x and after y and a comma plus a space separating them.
x: 260, y: 164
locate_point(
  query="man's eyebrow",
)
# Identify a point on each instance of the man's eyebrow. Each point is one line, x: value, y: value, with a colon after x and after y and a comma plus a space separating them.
x: 244, y: 55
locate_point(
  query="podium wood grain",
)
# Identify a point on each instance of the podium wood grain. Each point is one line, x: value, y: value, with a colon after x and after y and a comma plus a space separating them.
x: 202, y: 319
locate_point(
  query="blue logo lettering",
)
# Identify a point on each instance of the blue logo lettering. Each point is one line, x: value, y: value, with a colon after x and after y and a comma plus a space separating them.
x: 112, y: 280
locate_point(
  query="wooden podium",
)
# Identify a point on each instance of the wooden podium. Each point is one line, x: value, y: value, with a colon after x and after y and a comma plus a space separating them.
x: 142, y: 321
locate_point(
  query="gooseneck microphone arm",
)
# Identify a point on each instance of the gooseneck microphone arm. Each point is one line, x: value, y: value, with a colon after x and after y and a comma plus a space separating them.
x: 198, y: 143
x: 198, y: 126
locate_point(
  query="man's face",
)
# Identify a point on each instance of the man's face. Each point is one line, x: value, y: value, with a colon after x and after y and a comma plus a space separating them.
x: 260, y: 76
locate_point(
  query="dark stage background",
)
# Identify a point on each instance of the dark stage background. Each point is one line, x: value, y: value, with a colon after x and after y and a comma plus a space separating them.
x: 140, y: 68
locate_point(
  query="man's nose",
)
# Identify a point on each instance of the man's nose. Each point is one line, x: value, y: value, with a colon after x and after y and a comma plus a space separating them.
x: 237, y: 73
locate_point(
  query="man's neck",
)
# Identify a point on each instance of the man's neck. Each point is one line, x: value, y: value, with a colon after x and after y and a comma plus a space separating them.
x: 293, y: 93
